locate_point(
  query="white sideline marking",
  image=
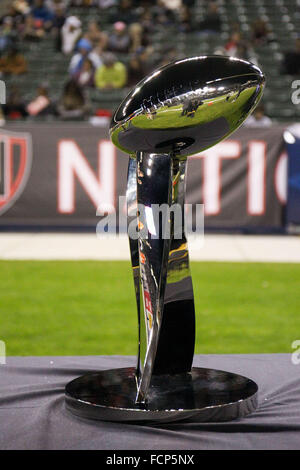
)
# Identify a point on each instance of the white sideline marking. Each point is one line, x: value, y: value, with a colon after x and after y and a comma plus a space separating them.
x: 239, y: 248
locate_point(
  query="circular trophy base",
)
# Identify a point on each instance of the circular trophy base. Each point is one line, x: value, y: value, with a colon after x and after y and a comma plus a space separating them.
x: 204, y: 395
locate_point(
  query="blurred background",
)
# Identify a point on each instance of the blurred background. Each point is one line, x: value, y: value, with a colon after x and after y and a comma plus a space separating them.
x: 58, y: 49
x: 66, y: 66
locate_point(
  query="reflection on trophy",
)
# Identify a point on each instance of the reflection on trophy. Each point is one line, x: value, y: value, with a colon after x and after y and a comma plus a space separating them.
x: 179, y: 110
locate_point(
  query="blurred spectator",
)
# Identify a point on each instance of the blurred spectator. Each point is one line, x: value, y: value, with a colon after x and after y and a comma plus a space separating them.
x: 96, y: 37
x: 169, y: 55
x: 15, y: 107
x: 14, y: 15
x: 124, y: 12
x: 7, y: 34
x: 245, y: 51
x: 43, y: 17
x: 147, y: 21
x: 70, y: 33
x: 2, y: 118
x: 212, y: 21
x: 172, y: 4
x: 234, y: 27
x: 72, y: 104
x: 138, y: 37
x: 258, y: 118
x: 85, y: 76
x: 119, y: 39
x: 189, y: 3
x: 260, y: 32
x: 84, y: 51
x: 21, y: 6
x: 291, y: 60
x: 103, y: 4
x: 58, y: 22
x: 185, y: 19
x: 163, y: 15
x: 112, y: 74
x: 231, y: 46
x: 144, y: 3
x: 240, y: 48
x: 13, y: 62
x: 41, y: 105
x: 53, y: 5
x: 83, y: 3
x: 138, y: 67
x: 31, y: 31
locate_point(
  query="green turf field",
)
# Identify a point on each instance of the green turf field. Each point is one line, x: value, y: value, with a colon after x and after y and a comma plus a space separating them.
x: 210, y: 110
x: 82, y: 308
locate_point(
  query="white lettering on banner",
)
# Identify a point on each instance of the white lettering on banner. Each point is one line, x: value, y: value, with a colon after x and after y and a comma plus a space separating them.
x: 72, y: 164
x: 281, y: 178
x: 212, y: 183
x: 256, y: 178
x: 100, y: 185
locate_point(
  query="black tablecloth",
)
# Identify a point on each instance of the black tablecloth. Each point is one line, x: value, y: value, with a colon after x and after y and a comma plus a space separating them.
x: 33, y: 416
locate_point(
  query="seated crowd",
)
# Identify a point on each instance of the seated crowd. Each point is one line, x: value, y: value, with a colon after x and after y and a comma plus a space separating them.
x: 108, y: 59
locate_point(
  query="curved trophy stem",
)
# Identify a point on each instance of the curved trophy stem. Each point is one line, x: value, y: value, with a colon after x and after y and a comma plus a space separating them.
x: 133, y: 242
x: 167, y: 331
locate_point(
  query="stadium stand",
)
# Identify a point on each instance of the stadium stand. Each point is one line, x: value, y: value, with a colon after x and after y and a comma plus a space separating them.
x: 280, y: 20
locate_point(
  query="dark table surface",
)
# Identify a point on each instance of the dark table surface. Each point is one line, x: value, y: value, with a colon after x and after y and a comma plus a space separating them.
x: 33, y: 416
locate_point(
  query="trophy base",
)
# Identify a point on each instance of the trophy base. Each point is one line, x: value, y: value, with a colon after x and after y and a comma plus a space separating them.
x: 204, y: 395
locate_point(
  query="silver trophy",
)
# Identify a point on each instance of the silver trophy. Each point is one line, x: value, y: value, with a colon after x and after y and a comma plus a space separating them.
x: 180, y: 109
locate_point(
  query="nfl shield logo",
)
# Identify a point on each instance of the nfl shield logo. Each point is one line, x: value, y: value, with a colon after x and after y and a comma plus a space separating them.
x: 15, y: 166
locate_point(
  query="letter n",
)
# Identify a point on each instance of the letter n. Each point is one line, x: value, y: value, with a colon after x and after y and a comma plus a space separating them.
x: 73, y: 164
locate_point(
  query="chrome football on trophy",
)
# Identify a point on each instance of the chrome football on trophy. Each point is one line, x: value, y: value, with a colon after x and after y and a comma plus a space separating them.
x: 178, y: 110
